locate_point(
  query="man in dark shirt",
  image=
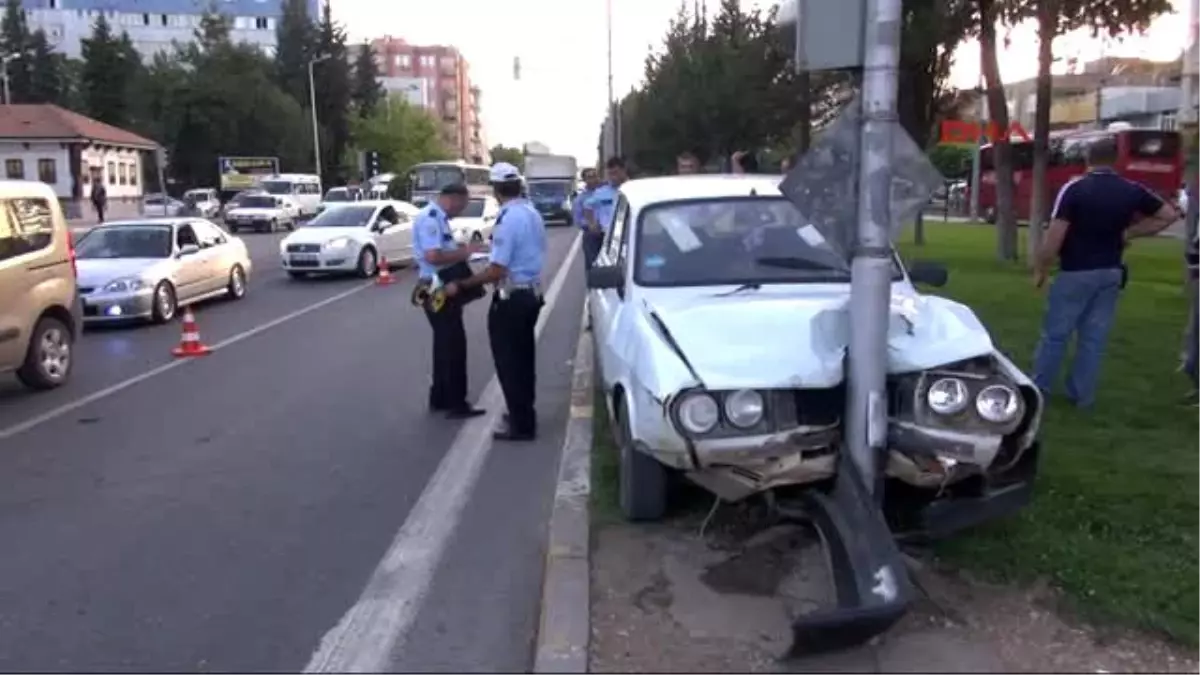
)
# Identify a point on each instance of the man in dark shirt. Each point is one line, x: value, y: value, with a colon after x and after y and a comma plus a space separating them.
x: 1093, y: 220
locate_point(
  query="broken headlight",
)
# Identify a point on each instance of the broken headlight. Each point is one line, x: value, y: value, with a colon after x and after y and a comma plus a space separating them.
x: 744, y: 408
x: 698, y: 413
x: 966, y: 398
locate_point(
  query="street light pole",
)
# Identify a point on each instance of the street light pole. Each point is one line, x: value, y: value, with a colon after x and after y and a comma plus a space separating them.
x: 977, y: 146
x: 312, y: 101
x: 614, y: 122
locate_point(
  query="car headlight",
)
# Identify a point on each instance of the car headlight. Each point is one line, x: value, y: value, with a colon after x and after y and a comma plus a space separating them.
x: 948, y: 396
x: 998, y: 403
x: 340, y: 242
x: 125, y: 285
x: 698, y: 413
x: 744, y: 408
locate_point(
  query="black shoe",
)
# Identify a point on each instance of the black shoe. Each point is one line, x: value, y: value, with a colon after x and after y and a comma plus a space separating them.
x: 510, y: 435
x: 465, y: 413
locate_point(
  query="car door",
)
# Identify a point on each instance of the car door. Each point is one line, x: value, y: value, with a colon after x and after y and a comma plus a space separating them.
x: 191, y: 269
x: 14, y: 291
x: 606, y: 304
x: 388, y: 232
x: 215, y: 253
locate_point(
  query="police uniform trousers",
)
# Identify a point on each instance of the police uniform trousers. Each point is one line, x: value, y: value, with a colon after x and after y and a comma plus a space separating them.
x: 449, y: 389
x: 511, y: 323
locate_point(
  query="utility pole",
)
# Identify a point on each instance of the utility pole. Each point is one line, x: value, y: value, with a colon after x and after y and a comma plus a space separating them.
x: 312, y: 101
x: 871, y: 266
x: 977, y: 147
x: 614, y: 126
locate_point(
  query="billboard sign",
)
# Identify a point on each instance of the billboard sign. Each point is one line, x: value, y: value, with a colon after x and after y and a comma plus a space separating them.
x: 970, y: 133
x: 242, y: 173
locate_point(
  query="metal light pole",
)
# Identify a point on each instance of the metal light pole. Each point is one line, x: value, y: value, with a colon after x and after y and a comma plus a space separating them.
x: 312, y: 100
x: 615, y: 123
x: 871, y: 267
x: 977, y: 147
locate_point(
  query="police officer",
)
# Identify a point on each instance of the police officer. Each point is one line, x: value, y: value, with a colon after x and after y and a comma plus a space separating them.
x: 435, y: 249
x: 592, y: 235
x: 599, y: 208
x: 518, y: 254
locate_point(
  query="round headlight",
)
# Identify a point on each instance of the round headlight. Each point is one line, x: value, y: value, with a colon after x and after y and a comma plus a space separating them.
x: 744, y: 408
x: 698, y: 413
x: 998, y: 403
x: 948, y: 396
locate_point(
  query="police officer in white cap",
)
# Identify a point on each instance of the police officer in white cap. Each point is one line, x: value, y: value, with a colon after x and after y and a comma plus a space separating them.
x: 518, y: 254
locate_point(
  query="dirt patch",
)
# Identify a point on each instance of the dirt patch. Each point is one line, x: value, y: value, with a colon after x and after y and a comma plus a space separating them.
x: 664, y: 599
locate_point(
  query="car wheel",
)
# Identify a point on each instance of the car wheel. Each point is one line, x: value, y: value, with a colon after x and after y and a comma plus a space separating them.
x: 297, y: 275
x: 165, y: 303
x: 476, y: 238
x: 237, y: 283
x: 367, y: 264
x: 291, y: 225
x: 233, y: 229
x: 49, y: 357
x: 642, y: 485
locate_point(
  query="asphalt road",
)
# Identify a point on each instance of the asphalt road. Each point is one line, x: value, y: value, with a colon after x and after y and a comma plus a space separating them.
x: 227, y: 513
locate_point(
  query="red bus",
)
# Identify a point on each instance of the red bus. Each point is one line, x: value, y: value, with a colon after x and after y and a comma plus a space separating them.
x: 1151, y: 157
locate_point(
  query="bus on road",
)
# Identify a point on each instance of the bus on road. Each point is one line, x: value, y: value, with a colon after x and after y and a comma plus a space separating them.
x: 422, y: 182
x: 1152, y: 157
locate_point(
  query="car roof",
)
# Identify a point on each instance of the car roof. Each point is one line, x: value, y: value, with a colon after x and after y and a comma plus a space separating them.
x: 16, y: 189
x: 173, y: 222
x: 642, y: 192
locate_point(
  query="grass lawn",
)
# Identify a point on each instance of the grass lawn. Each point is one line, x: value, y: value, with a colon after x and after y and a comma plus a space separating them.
x: 1114, y: 523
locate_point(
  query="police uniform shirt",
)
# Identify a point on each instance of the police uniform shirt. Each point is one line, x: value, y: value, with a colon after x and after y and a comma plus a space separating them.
x: 1099, y: 206
x: 579, y: 205
x: 519, y: 242
x: 603, y: 203
x: 431, y: 232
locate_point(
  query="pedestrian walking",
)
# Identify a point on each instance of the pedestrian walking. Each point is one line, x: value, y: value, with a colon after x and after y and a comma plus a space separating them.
x: 592, y: 235
x: 441, y: 260
x: 1094, y: 218
x: 99, y: 196
x: 518, y: 255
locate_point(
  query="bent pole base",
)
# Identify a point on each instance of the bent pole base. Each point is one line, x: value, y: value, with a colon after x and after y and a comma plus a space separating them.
x: 871, y: 581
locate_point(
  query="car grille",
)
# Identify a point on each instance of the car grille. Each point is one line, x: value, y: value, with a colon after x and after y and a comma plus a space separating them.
x: 304, y: 248
x: 305, y: 263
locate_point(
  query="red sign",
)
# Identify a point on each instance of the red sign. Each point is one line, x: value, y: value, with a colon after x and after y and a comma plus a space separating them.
x: 959, y: 131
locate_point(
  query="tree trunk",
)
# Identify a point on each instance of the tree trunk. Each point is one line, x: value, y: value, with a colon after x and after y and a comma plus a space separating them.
x: 1006, y: 222
x: 1047, y: 15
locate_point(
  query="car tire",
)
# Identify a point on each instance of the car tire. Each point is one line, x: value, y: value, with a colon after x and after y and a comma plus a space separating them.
x: 368, y: 264
x: 233, y: 229
x: 297, y: 275
x: 291, y: 225
x: 237, y: 283
x: 642, y: 480
x: 49, y: 357
x: 166, y: 303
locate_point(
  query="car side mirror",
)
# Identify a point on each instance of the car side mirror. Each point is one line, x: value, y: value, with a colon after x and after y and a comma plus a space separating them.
x: 601, y: 277
x: 188, y: 249
x: 928, y: 273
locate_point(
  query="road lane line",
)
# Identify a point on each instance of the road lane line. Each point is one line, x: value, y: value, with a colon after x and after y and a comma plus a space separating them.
x: 54, y: 413
x: 366, y: 637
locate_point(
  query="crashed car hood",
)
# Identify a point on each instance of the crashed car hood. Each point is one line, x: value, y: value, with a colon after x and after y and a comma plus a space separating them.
x: 796, y: 336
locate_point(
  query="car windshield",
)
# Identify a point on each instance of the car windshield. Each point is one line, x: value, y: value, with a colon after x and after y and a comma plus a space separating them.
x: 125, y: 241
x: 430, y: 178
x: 549, y: 189
x: 343, y: 216
x: 156, y: 199
x: 474, y: 209
x: 257, y: 202
x: 277, y: 187
x: 338, y: 195
x: 740, y: 240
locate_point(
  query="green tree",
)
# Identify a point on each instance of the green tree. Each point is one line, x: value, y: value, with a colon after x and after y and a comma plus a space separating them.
x: 367, y: 93
x: 296, y: 40
x: 15, y: 41
x: 403, y: 135
x: 514, y: 156
x: 111, y: 69
x: 333, y: 79
x: 47, y: 80
x: 951, y: 160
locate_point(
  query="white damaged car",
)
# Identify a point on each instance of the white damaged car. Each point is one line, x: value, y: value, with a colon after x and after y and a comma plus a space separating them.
x: 721, y: 327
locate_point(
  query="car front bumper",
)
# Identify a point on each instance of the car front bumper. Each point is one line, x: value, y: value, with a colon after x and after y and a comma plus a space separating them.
x: 99, y: 307
x: 333, y: 260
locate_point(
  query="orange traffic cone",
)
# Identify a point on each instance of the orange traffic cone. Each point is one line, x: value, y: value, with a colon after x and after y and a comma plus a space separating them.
x: 190, y: 344
x: 385, y: 275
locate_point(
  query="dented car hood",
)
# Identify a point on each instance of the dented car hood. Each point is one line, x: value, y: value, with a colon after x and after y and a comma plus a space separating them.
x: 792, y: 336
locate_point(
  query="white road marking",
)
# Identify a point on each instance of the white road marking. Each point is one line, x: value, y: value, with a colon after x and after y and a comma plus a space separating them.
x: 366, y: 637
x: 78, y: 403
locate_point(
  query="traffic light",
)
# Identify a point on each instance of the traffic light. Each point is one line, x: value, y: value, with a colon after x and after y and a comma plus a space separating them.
x: 371, y: 164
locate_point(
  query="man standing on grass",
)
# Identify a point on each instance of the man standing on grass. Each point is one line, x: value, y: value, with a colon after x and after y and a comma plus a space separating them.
x: 1092, y: 222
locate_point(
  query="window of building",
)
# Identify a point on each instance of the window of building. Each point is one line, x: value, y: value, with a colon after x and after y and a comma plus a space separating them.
x: 448, y: 64
x: 403, y: 61
x: 1168, y: 122
x: 260, y: 22
x: 121, y: 175
x: 133, y: 177
x: 112, y: 173
x: 164, y: 19
x: 15, y: 169
x: 145, y: 19
x: 47, y: 171
x: 53, y: 4
x: 427, y: 61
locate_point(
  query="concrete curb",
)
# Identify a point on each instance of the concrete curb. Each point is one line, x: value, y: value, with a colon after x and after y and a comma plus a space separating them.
x: 564, y: 627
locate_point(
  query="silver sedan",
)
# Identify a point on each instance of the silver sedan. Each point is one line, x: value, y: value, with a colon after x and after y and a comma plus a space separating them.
x: 147, y: 269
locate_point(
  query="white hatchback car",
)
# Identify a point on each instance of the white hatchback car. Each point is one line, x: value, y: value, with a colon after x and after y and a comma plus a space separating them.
x: 476, y: 222
x: 352, y: 237
x: 721, y: 325
x: 262, y: 213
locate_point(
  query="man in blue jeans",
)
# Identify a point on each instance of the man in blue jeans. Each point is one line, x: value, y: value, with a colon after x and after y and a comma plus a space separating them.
x: 1094, y: 218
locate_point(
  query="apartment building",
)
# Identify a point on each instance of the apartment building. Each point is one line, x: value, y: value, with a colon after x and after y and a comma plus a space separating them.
x: 154, y: 24
x: 439, y: 77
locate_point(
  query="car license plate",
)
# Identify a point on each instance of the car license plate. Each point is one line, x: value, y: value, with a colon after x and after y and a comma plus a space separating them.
x: 307, y: 260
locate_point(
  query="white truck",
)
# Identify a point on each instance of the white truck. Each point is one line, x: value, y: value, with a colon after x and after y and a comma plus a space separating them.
x: 551, y: 180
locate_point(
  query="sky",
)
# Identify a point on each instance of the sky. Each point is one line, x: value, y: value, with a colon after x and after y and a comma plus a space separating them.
x: 561, y: 97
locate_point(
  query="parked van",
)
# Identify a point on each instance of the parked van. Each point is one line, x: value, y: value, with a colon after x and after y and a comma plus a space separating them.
x: 40, y: 312
x: 302, y: 188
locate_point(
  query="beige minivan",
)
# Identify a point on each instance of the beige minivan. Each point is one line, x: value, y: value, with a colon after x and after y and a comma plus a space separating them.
x: 40, y: 310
